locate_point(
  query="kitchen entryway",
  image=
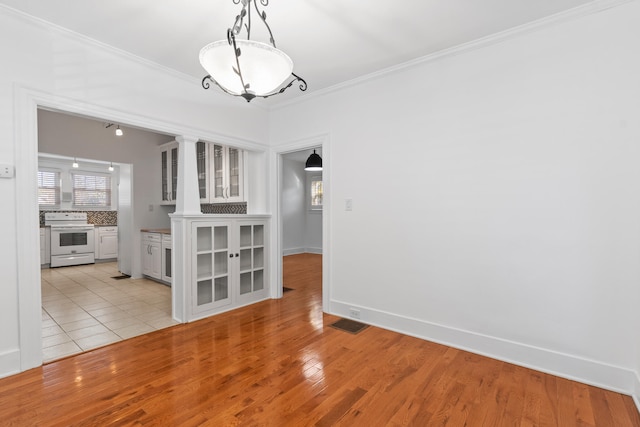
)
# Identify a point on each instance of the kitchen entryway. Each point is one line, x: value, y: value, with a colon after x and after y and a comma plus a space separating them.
x: 89, y: 306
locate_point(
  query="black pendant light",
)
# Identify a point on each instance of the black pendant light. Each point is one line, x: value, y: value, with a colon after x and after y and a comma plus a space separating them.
x: 314, y: 162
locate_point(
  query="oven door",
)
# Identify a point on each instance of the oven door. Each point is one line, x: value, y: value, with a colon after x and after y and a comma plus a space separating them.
x: 69, y: 240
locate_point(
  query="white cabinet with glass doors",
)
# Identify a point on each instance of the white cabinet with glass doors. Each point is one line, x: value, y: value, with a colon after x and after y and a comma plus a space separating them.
x: 219, y: 168
x: 169, y: 177
x: 229, y: 264
x: 227, y: 174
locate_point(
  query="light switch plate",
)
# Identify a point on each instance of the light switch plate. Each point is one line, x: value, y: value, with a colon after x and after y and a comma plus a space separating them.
x: 6, y: 170
x: 348, y: 205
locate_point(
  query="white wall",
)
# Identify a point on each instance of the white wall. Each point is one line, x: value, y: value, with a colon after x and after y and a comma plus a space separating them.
x: 495, y: 197
x: 293, y: 206
x: 44, y: 65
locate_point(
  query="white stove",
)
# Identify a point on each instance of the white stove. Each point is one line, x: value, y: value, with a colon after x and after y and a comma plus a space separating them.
x: 72, y: 238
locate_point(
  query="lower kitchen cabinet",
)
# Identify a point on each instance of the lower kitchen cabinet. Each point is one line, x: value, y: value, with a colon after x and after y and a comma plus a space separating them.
x: 152, y: 255
x: 106, y: 242
x: 166, y: 258
x: 45, y: 246
x: 229, y: 260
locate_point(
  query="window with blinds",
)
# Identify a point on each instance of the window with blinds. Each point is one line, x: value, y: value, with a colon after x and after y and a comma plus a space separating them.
x: 91, y: 190
x: 48, y: 188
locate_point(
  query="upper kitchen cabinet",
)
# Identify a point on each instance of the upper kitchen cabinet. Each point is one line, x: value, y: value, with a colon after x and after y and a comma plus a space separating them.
x: 169, y: 177
x: 204, y: 171
x: 227, y: 168
x: 219, y: 169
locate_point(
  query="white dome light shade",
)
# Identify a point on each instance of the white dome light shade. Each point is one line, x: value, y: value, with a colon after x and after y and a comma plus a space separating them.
x: 264, y: 68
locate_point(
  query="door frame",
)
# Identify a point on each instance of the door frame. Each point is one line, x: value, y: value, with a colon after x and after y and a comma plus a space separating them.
x: 25, y: 140
x: 27, y: 101
x: 321, y: 140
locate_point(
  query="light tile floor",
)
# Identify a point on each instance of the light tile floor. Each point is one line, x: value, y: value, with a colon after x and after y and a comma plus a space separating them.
x: 83, y: 308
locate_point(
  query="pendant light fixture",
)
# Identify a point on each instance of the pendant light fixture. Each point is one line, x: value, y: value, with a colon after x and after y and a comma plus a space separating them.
x: 110, y: 168
x: 248, y: 68
x: 75, y: 164
x: 314, y: 163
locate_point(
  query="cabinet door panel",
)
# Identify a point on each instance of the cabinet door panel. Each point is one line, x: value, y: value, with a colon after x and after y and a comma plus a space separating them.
x: 108, y: 246
x: 212, y: 287
x: 234, y: 172
x: 218, y: 172
x: 165, y: 175
x: 202, y: 159
x: 174, y: 173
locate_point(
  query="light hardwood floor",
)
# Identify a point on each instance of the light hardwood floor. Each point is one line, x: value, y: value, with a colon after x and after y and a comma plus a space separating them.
x: 279, y: 363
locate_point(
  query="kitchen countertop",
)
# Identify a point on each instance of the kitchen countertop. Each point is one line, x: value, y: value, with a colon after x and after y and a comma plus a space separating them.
x: 156, y: 230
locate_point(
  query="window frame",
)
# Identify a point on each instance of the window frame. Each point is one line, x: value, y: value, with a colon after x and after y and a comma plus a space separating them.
x: 57, y: 188
x: 311, y: 180
x: 108, y: 190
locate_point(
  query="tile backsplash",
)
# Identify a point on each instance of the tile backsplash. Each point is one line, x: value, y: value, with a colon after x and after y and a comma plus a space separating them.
x: 93, y: 217
x: 224, y: 208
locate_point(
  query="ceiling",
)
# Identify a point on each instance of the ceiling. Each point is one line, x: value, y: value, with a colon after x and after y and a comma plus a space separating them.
x: 330, y: 41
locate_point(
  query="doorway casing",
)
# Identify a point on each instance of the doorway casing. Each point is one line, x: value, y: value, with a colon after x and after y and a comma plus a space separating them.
x: 28, y: 353
x: 321, y: 140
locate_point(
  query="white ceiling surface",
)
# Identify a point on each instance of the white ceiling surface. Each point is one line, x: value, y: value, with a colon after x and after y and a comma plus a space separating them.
x: 330, y: 41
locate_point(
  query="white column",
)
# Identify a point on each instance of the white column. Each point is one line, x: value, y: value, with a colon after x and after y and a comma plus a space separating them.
x: 188, y: 202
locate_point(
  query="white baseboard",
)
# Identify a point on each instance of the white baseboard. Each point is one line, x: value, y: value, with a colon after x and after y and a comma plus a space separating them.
x: 636, y: 390
x: 296, y: 251
x: 9, y: 363
x: 292, y: 251
x: 568, y: 366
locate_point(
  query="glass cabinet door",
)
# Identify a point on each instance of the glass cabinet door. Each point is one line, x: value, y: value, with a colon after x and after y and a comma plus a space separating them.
x: 174, y: 173
x: 212, y: 275
x: 233, y: 162
x: 218, y: 172
x: 165, y: 175
x: 203, y: 170
x: 252, y: 260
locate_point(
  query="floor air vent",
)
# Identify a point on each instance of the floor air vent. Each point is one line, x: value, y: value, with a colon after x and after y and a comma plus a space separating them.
x: 349, y: 325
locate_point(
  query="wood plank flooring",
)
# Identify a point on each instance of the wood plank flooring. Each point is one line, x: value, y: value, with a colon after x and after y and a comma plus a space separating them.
x: 278, y: 363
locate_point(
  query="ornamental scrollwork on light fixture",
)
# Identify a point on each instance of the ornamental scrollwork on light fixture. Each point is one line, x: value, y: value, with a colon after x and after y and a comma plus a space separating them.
x: 269, y: 71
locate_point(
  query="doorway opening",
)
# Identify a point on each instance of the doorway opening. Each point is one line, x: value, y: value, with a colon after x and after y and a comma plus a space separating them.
x: 88, y: 306
x: 301, y: 216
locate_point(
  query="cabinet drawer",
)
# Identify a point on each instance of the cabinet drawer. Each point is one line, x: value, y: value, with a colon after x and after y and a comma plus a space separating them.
x: 107, y: 230
x: 152, y: 237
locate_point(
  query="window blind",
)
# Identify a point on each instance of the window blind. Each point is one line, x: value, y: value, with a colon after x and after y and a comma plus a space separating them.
x: 91, y: 190
x: 48, y: 188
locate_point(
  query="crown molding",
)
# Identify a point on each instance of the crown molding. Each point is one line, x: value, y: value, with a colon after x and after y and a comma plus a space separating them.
x: 125, y: 55
x: 565, y: 16
x: 50, y: 26
x: 511, y: 33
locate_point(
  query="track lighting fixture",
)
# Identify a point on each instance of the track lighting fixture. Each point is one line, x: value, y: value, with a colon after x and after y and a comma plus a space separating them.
x: 119, y: 131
